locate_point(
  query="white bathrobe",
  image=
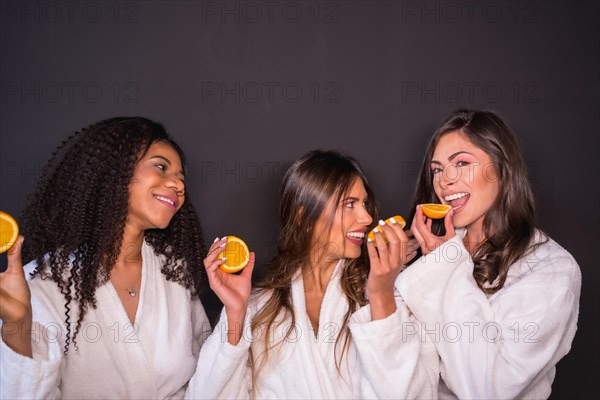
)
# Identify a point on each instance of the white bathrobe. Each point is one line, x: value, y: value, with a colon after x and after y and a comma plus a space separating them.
x: 151, y: 359
x: 386, y: 359
x: 501, y: 346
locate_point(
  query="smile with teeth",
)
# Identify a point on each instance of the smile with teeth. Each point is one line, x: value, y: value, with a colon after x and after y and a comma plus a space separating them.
x: 165, y: 199
x: 358, y: 235
x: 455, y: 196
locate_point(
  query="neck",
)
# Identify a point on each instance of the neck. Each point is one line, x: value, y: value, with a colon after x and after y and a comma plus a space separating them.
x: 316, y: 276
x: 473, y: 238
x: 131, y: 248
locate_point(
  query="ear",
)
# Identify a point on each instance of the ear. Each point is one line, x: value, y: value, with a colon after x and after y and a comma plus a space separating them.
x: 299, y: 214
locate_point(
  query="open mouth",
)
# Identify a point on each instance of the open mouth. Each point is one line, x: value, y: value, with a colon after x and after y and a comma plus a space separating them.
x: 166, y: 200
x: 356, y: 237
x: 457, y: 200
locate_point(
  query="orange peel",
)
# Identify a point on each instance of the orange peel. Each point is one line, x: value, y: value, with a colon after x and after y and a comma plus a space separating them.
x: 435, y: 211
x: 9, y: 231
x: 236, y: 253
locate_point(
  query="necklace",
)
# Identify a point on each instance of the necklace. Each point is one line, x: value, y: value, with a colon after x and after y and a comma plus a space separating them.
x: 132, y: 292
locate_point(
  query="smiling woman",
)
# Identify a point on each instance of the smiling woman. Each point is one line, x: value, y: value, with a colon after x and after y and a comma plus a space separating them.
x: 509, y: 293
x: 325, y: 322
x: 112, y: 291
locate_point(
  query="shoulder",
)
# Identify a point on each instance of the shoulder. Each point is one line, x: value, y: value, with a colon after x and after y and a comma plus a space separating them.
x: 546, y: 258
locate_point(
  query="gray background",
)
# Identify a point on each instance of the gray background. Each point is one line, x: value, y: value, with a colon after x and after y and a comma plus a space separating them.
x: 247, y: 87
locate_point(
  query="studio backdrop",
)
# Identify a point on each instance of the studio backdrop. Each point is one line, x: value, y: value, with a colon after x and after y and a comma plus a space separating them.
x: 248, y: 87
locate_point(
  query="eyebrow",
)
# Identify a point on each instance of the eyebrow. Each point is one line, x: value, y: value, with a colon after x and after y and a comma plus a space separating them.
x: 352, y: 198
x: 453, y: 156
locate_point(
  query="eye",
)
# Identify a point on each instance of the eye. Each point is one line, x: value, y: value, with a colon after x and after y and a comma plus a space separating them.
x: 162, y: 167
x: 350, y: 204
x: 435, y: 170
x: 462, y: 163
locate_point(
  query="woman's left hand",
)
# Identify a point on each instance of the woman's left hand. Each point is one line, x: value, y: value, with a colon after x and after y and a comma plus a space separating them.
x: 387, y: 260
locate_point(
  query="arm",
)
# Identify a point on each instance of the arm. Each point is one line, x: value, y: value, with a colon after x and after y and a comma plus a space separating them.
x: 29, y: 364
x: 395, y: 360
x: 223, y: 363
x: 222, y: 371
x: 495, y: 347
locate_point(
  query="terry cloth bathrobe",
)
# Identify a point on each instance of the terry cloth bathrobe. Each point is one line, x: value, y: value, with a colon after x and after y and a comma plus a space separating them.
x: 151, y: 359
x: 501, y: 346
x: 386, y: 358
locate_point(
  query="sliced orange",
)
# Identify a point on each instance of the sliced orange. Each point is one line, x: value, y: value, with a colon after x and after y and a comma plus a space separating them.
x: 401, y: 222
x: 9, y: 231
x: 435, y: 211
x: 237, y: 254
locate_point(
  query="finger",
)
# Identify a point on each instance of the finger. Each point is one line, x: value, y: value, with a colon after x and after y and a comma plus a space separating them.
x: 449, y: 225
x: 402, y: 235
x: 247, y: 272
x: 428, y: 223
x: 412, y: 245
x: 397, y: 244
x: 216, y: 248
x: 15, y: 263
x: 382, y: 248
x: 415, y: 229
x: 373, y: 255
x: 214, y: 266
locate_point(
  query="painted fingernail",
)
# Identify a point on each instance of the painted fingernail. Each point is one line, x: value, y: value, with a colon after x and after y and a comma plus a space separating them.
x: 375, y: 230
x: 381, y: 222
x: 393, y: 220
x: 223, y: 245
x: 216, y: 240
x: 369, y: 240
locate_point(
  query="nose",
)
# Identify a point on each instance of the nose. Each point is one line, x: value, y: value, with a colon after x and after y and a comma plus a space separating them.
x: 365, y: 218
x: 449, y: 175
x: 176, y: 184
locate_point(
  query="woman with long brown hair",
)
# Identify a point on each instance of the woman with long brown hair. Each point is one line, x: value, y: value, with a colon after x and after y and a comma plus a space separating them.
x: 500, y: 297
x: 325, y: 321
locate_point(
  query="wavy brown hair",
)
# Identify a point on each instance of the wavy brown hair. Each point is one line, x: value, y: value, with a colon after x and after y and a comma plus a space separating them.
x: 74, y: 221
x: 308, y: 186
x: 509, y: 225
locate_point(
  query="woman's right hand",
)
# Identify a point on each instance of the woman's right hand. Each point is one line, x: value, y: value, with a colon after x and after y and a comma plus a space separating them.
x: 15, y: 303
x: 233, y: 290
x: 15, y: 297
x: 422, y: 231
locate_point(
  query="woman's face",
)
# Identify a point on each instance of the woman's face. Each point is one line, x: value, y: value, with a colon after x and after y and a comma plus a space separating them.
x: 156, y: 191
x: 465, y: 178
x: 348, y: 230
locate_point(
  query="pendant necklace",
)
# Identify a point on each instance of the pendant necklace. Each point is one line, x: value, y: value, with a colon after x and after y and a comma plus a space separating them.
x: 132, y: 292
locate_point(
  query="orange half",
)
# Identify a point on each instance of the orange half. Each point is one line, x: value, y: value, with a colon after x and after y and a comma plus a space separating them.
x: 435, y: 211
x: 401, y: 222
x: 9, y: 231
x: 237, y: 254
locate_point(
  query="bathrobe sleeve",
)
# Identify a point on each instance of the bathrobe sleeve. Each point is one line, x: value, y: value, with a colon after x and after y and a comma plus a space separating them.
x: 394, y: 359
x: 223, y: 371
x: 501, y: 346
x: 37, y: 377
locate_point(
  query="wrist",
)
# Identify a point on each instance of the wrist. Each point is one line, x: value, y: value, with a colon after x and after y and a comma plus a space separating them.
x: 17, y: 336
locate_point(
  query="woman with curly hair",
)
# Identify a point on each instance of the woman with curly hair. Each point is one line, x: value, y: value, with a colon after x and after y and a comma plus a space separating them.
x: 109, y: 306
x: 323, y: 323
x: 501, y: 296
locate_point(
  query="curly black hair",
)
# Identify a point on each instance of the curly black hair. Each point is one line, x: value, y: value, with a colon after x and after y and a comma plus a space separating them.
x: 75, y: 220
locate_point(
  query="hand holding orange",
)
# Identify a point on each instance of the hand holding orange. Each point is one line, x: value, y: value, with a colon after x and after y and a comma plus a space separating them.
x: 435, y: 211
x: 9, y: 231
x: 236, y: 255
x: 398, y: 219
